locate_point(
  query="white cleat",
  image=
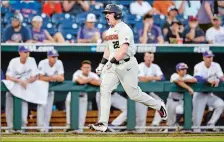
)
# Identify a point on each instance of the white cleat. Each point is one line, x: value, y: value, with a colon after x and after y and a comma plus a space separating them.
x: 163, y: 112
x: 99, y: 127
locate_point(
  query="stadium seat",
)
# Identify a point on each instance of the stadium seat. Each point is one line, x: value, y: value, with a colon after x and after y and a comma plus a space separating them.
x: 159, y: 20
x: 96, y: 10
x: 81, y: 18
x: 125, y: 3
x: 7, y: 18
x: 59, y: 18
x: 4, y: 10
x: 183, y: 19
x: 136, y: 27
x: 131, y: 19
x: 68, y: 27
x: 50, y: 27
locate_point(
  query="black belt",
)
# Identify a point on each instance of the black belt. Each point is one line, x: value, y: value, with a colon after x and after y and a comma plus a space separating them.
x: 120, y: 62
x: 176, y: 100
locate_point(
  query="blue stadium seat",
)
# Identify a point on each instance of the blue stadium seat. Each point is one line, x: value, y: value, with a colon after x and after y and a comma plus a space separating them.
x: 137, y: 26
x: 81, y: 18
x: 68, y: 36
x: 96, y: 10
x: 59, y: 18
x: 50, y: 27
x: 159, y: 20
x: 4, y: 10
x: 68, y: 27
x: 125, y: 3
x: 131, y: 19
x: 183, y: 19
x: 7, y: 18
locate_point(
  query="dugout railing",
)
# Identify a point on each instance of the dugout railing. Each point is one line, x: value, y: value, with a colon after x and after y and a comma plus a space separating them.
x: 147, y: 87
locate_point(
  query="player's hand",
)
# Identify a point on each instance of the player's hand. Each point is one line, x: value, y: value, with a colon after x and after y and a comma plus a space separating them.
x: 191, y: 91
x: 53, y: 78
x: 214, y: 83
x: 23, y: 83
x: 99, y: 69
x: 108, y: 65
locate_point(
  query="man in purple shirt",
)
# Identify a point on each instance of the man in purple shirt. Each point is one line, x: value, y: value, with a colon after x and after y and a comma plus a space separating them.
x: 150, y: 33
x: 89, y: 33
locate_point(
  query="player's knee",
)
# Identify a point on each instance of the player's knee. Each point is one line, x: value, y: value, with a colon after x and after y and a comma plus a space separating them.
x: 179, y: 110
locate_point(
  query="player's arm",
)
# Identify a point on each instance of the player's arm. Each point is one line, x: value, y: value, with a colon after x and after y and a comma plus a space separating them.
x: 184, y: 85
x: 95, y: 82
x: 59, y: 78
x: 82, y: 81
x: 143, y: 79
x: 16, y: 80
x: 31, y: 79
x: 192, y: 80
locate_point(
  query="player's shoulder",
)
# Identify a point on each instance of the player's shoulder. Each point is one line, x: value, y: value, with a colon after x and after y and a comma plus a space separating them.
x: 78, y: 72
x: 155, y: 65
x: 59, y: 62
x: 174, y: 75
x: 93, y: 74
x: 44, y: 61
x: 215, y: 64
x: 198, y: 65
x: 123, y: 26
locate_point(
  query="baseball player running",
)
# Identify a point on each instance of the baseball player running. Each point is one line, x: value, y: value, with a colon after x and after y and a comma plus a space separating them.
x: 148, y: 71
x: 22, y: 70
x: 209, y: 72
x: 120, y: 66
x: 50, y: 70
x: 83, y: 76
x: 175, y: 100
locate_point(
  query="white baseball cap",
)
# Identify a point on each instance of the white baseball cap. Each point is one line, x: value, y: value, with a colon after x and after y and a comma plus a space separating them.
x: 91, y: 17
x: 37, y: 18
x: 18, y: 16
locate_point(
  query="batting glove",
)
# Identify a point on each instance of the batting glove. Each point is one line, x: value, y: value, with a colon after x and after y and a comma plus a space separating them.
x: 108, y: 65
x: 99, y: 69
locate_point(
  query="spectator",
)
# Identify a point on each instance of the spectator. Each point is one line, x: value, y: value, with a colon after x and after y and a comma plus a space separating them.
x: 148, y: 72
x: 23, y: 71
x: 188, y: 8
x: 16, y: 32
x: 215, y: 34
x: 95, y: 3
x: 175, y: 104
x: 150, y: 33
x: 52, y: 7
x: 205, y: 14
x: 50, y: 70
x: 75, y: 6
x: 83, y: 76
x: 162, y: 6
x: 175, y: 36
x: 172, y: 13
x: 2, y: 75
x: 41, y: 35
x: 193, y: 34
x: 140, y: 8
x: 89, y: 33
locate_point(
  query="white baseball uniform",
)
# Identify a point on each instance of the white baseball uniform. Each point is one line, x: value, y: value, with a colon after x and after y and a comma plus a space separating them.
x: 141, y: 109
x: 175, y: 102
x: 83, y: 100
x: 44, y: 111
x: 201, y: 99
x: 125, y: 73
x: 21, y: 71
x: 118, y: 102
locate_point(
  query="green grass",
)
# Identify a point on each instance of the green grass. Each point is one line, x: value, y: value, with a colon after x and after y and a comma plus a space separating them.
x: 113, y: 137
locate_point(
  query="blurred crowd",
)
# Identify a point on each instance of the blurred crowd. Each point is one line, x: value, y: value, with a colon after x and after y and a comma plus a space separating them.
x: 81, y: 21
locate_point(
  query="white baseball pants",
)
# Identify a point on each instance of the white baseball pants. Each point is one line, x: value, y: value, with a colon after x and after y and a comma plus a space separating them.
x: 9, y: 111
x: 126, y: 74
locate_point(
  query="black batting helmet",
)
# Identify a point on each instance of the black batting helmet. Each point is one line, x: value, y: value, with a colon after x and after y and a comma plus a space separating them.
x: 113, y: 8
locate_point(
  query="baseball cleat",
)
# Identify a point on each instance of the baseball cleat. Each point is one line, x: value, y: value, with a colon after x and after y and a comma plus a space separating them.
x: 99, y: 127
x: 163, y: 112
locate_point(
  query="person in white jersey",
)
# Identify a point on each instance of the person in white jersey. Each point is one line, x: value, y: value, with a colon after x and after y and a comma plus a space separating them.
x: 22, y: 70
x: 148, y: 72
x: 50, y: 70
x: 120, y: 66
x: 175, y: 104
x: 82, y: 76
x: 211, y: 73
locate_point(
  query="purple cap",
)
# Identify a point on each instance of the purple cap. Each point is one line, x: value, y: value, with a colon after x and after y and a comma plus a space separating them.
x: 22, y: 48
x: 53, y: 53
x: 181, y: 66
x: 208, y: 54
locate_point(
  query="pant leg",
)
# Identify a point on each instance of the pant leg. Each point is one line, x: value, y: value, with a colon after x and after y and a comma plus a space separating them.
x: 129, y: 81
x: 141, y: 114
x: 199, y: 103
x: 40, y: 115
x: 157, y: 118
x: 120, y: 103
x: 218, y: 104
x: 110, y: 82
x: 24, y: 113
x: 83, y: 102
x: 98, y: 103
x: 67, y: 107
x: 171, y: 108
x: 48, y: 109
x: 9, y: 109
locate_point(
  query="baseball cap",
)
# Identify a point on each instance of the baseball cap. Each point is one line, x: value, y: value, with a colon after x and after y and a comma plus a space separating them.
x: 37, y: 18
x: 175, y: 21
x: 193, y: 18
x: 217, y: 17
x: 181, y: 66
x: 91, y: 17
x: 172, y: 8
x: 23, y: 49
x: 53, y: 53
x: 18, y: 16
x: 208, y: 54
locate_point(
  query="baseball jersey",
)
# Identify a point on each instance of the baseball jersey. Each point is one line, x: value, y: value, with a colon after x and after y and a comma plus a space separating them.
x: 79, y: 73
x: 22, y: 71
x: 214, y: 71
x: 152, y: 70
x: 45, y: 68
x: 173, y: 78
x: 116, y: 36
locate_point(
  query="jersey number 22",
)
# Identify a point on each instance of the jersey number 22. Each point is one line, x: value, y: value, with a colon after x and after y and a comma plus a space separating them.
x: 116, y: 44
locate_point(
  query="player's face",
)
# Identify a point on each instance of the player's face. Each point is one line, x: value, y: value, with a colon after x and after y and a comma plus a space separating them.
x: 208, y: 60
x: 148, y: 58
x: 86, y: 68
x: 37, y: 24
x: 24, y: 56
x: 182, y: 72
x: 90, y: 25
x: 52, y: 60
x: 110, y: 18
x: 15, y: 23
